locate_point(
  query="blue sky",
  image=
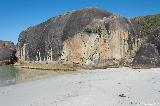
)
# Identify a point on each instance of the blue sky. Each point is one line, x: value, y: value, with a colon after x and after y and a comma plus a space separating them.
x: 17, y: 15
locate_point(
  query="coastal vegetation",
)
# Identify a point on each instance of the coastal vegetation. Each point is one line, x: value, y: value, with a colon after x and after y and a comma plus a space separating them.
x: 50, y: 66
x: 147, y: 24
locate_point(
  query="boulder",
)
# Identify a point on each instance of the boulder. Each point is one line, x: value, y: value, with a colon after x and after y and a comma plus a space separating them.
x: 147, y: 55
x: 7, y: 52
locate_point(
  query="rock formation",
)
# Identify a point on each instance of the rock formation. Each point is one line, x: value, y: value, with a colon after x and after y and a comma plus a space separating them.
x: 149, y: 53
x: 149, y: 32
x: 89, y: 37
x: 102, y: 40
x: 40, y: 39
x: 7, y: 52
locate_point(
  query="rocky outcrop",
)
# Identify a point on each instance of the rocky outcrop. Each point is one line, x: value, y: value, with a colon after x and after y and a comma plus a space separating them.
x: 149, y: 53
x: 149, y: 32
x: 91, y: 37
x: 40, y: 39
x: 7, y: 52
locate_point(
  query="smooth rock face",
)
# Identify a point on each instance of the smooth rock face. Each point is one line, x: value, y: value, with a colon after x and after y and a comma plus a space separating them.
x: 7, y: 52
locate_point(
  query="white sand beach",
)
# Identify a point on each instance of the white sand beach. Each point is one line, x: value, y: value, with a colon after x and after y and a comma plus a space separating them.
x: 100, y: 87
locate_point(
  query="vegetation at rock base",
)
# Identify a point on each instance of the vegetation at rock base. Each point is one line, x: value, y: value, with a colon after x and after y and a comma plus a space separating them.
x: 53, y: 67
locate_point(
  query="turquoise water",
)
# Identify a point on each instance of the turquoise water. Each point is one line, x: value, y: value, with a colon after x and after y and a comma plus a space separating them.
x: 8, y: 75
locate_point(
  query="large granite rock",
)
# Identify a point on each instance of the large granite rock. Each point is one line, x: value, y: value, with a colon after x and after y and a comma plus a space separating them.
x: 40, y: 39
x: 101, y: 41
x: 7, y: 52
x: 91, y: 36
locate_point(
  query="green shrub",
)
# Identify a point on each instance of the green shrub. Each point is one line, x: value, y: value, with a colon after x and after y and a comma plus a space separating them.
x: 88, y: 30
x: 99, y: 30
x: 147, y: 24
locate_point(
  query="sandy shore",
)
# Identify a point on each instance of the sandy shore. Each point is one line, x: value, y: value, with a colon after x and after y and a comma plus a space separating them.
x: 100, y: 87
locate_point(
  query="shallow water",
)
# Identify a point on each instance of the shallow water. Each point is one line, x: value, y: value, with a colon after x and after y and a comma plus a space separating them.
x: 8, y: 75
